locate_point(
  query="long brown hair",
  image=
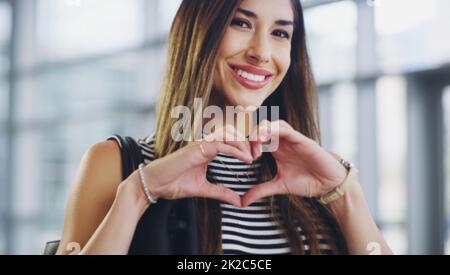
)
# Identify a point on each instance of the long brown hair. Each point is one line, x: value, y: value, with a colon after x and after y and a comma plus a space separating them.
x: 193, y: 47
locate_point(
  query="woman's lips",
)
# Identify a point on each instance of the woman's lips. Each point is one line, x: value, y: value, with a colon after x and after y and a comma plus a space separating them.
x: 247, y: 83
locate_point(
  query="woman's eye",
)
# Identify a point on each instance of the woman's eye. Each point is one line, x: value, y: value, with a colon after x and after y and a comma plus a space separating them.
x: 240, y: 23
x: 244, y: 24
x: 281, y: 34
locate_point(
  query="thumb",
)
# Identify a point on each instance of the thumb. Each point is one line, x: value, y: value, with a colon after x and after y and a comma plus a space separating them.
x: 220, y: 193
x: 263, y: 190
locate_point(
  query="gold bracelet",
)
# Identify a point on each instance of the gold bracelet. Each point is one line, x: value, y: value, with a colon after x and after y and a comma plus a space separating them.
x: 340, y: 190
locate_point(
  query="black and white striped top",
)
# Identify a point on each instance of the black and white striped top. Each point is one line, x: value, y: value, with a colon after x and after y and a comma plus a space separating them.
x: 250, y: 230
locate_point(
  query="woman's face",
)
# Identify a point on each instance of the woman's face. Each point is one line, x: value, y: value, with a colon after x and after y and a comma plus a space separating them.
x: 254, y: 55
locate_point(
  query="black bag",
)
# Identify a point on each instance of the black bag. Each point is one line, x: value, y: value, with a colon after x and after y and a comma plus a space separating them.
x: 166, y: 228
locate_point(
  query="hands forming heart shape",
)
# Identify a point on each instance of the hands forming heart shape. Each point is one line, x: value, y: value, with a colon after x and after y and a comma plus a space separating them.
x: 303, y: 167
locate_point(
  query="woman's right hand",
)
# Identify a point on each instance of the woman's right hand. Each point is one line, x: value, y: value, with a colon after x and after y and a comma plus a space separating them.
x: 182, y: 174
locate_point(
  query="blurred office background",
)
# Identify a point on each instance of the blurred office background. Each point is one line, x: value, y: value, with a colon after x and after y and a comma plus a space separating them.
x: 73, y: 72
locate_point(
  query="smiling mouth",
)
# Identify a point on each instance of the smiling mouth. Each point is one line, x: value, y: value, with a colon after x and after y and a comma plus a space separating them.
x: 250, y: 80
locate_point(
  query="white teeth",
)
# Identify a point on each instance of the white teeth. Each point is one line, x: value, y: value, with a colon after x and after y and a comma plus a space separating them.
x: 249, y: 76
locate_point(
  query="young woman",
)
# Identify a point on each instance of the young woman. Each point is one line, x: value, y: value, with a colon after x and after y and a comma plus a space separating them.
x: 231, y: 53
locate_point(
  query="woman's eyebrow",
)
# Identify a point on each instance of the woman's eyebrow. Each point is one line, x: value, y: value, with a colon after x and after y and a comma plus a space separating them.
x: 253, y: 15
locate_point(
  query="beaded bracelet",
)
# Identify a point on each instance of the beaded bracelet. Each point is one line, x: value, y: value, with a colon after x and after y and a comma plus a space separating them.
x: 147, y: 192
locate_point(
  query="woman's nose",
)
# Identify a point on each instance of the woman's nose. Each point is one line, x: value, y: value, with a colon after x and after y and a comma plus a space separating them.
x: 259, y: 49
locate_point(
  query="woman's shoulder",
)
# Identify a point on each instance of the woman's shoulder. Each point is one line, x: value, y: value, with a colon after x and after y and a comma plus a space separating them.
x: 107, y: 153
x: 102, y: 161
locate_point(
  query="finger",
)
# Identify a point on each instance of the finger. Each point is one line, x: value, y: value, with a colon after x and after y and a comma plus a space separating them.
x: 336, y: 156
x: 256, y: 130
x: 236, y: 139
x: 237, y: 136
x: 256, y: 150
x: 213, y: 144
x: 282, y: 129
x: 255, y: 143
x: 233, y: 151
x: 271, y: 135
x: 263, y: 190
x: 229, y: 136
x: 254, y: 146
x: 209, y: 150
x: 220, y: 193
x: 267, y: 130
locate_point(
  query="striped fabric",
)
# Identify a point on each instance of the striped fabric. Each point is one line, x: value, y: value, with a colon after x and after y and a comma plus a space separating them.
x: 250, y: 230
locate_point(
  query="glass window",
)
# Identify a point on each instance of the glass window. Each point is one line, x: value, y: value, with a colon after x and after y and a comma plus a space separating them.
x: 338, y: 119
x: 5, y: 33
x: 344, y: 111
x: 126, y: 83
x: 68, y: 29
x: 167, y: 11
x: 62, y: 109
x: 418, y: 39
x: 2, y: 243
x: 4, y: 99
x: 391, y: 116
x: 5, y: 22
x: 3, y: 161
x: 446, y: 108
x: 53, y: 157
x: 331, y: 37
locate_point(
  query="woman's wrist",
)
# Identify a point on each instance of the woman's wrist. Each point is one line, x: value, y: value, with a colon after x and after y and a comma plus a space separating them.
x: 130, y: 192
x: 348, y: 203
x: 339, y: 191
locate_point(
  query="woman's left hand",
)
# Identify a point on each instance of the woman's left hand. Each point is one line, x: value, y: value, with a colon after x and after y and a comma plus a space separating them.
x: 303, y: 167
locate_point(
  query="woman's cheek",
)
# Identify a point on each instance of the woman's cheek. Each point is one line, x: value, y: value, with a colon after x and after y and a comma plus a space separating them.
x: 285, y: 62
x: 234, y: 42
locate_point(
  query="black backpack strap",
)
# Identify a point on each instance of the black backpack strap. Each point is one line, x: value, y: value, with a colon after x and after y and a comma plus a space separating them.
x: 152, y: 231
x: 130, y: 154
x: 168, y: 227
